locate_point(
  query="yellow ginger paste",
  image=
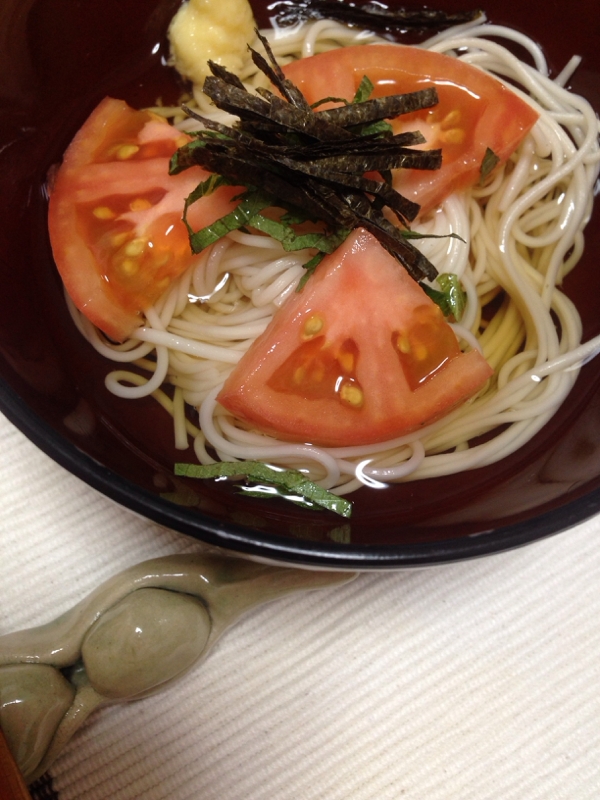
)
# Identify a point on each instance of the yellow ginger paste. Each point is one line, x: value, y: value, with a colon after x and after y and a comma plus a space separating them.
x: 218, y: 30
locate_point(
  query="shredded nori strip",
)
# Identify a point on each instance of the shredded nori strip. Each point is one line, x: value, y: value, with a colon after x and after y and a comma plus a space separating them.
x: 370, y: 16
x: 380, y: 108
x: 272, y: 110
x: 332, y: 166
x: 276, y: 75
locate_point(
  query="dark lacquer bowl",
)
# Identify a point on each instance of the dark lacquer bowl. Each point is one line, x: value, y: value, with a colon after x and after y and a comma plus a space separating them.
x: 58, y: 58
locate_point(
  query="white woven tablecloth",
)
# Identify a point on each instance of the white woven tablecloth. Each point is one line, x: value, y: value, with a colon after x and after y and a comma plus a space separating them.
x: 469, y: 681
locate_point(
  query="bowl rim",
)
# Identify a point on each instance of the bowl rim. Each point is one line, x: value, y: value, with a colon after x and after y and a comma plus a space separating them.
x: 237, y: 539
x: 580, y: 501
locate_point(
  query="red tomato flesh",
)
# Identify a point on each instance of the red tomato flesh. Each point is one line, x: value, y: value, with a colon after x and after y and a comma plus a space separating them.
x: 115, y: 215
x: 475, y: 111
x: 361, y: 355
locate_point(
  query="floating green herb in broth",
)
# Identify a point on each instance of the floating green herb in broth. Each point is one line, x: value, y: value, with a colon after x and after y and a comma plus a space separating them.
x: 289, y: 484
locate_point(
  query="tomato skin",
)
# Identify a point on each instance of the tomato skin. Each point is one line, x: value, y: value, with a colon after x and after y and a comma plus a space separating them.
x: 475, y: 111
x: 115, y: 214
x: 353, y: 316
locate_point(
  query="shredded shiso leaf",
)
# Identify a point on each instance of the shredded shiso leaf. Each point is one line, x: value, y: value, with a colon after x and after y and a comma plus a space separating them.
x: 289, y: 484
x: 452, y: 298
x: 309, y: 163
x: 490, y: 160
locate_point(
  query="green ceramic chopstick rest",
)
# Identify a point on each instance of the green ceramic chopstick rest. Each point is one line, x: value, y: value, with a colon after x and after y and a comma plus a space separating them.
x: 131, y: 637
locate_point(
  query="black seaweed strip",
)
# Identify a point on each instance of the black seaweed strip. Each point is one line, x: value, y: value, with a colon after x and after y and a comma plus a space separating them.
x: 358, y: 145
x: 403, y: 208
x: 286, y: 86
x: 291, y: 93
x: 390, y: 237
x: 352, y: 180
x: 371, y: 16
x: 218, y: 127
x: 417, y: 265
x: 274, y: 64
x: 379, y: 108
x: 234, y: 100
x: 219, y: 71
x: 237, y: 134
x: 352, y: 163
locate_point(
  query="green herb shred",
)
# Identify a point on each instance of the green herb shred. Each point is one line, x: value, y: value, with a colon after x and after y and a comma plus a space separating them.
x: 451, y: 297
x: 289, y: 484
x: 489, y: 162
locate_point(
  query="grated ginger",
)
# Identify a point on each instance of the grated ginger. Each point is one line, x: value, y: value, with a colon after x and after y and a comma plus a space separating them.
x: 219, y: 30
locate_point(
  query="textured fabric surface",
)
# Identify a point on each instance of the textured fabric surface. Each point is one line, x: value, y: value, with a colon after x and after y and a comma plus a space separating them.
x: 476, y: 680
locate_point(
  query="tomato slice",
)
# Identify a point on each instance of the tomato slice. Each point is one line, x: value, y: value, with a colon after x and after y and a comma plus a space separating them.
x: 115, y: 215
x: 360, y: 355
x: 475, y: 111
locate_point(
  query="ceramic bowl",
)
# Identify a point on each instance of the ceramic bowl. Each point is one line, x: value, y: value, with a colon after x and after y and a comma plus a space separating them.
x: 57, y: 60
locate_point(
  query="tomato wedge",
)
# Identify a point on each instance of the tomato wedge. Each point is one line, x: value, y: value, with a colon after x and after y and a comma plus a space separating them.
x: 360, y: 355
x: 475, y: 111
x: 115, y: 215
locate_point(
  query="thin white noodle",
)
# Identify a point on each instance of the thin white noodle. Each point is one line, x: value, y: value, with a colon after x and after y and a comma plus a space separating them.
x: 155, y: 382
